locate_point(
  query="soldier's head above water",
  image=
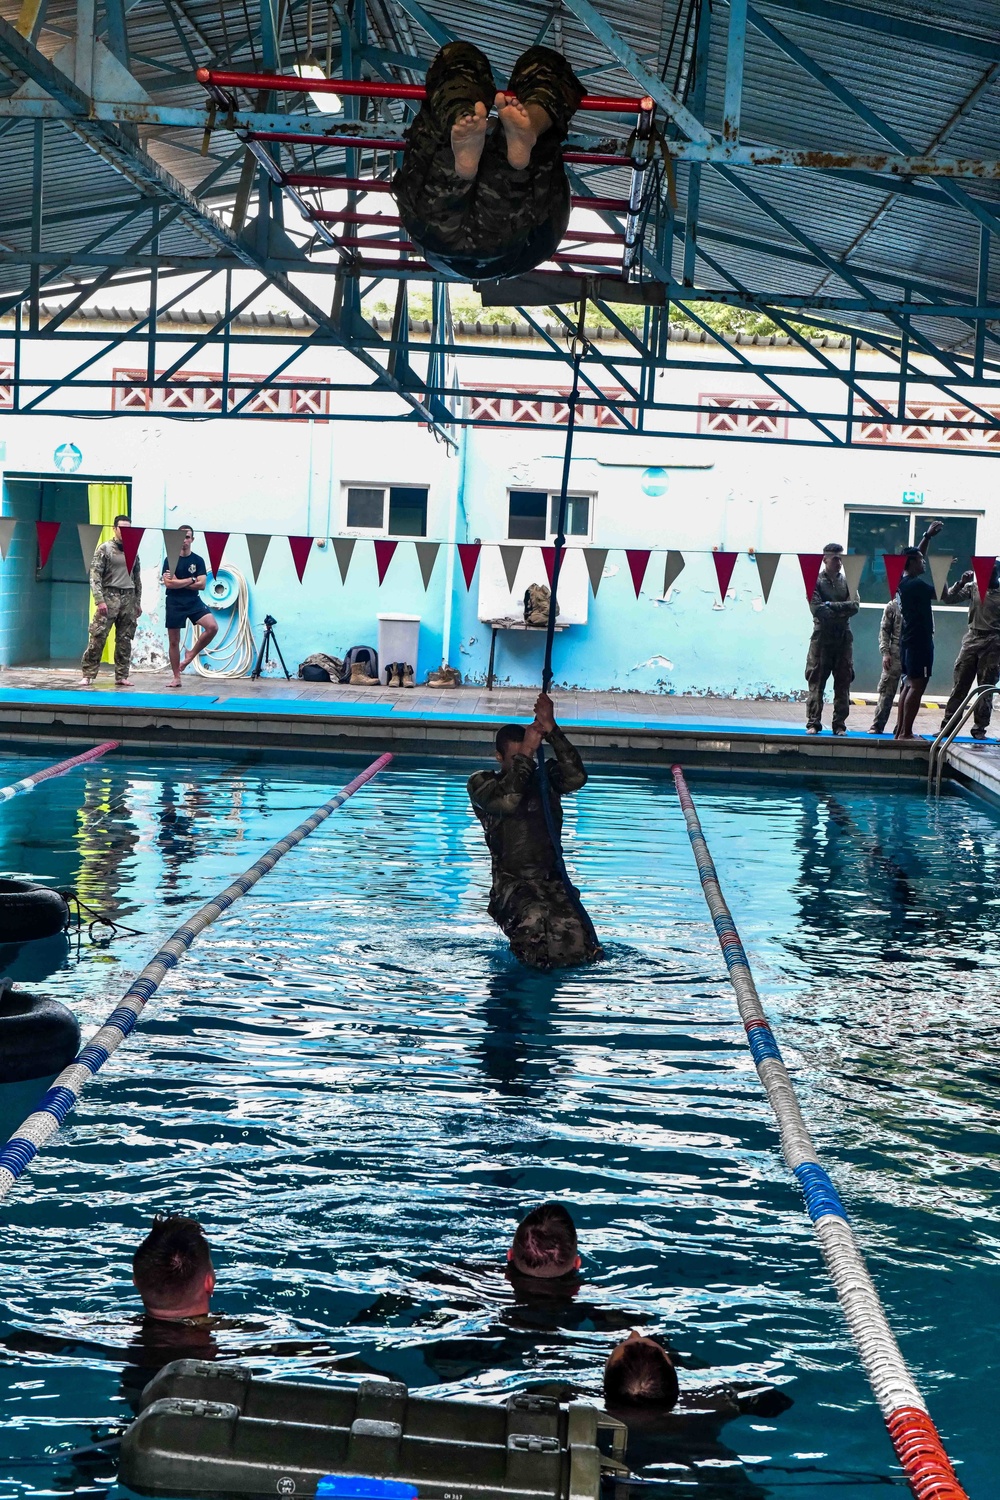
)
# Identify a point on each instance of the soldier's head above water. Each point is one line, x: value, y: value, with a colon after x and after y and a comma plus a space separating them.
x: 172, y: 1269
x: 516, y: 739
x: 545, y: 1243
x: 639, y: 1372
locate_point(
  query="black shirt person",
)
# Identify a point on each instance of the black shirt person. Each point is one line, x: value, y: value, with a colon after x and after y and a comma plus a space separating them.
x: 184, y: 604
x: 916, y: 641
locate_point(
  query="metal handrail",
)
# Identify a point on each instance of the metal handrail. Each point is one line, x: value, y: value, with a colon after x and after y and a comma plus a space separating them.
x: 948, y: 732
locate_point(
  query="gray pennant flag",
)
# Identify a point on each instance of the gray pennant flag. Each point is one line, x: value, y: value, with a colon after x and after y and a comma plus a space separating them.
x: 344, y: 548
x: 940, y: 567
x: 90, y: 535
x: 672, y: 570
x: 767, y: 566
x: 854, y: 566
x: 257, y: 545
x: 7, y: 524
x: 511, y: 559
x: 172, y: 540
x: 426, y: 556
x: 595, y: 558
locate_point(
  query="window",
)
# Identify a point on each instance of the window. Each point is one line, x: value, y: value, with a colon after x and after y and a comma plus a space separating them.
x: 407, y: 510
x: 527, y: 515
x: 877, y: 532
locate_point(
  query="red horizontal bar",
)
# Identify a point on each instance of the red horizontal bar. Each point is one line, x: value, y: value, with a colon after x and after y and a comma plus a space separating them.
x: 367, y: 88
x: 585, y: 260
x: 330, y: 216
x: 598, y: 157
x: 372, y: 185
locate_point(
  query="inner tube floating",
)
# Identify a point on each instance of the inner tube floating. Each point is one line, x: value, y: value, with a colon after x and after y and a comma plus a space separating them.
x: 38, y: 1036
x: 30, y: 911
x: 223, y: 590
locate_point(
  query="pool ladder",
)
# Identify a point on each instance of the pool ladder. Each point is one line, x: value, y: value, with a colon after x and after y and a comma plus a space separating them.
x: 942, y: 744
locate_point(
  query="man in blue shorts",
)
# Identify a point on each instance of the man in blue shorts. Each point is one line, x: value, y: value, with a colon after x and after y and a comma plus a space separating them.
x: 916, y: 641
x: 183, y: 604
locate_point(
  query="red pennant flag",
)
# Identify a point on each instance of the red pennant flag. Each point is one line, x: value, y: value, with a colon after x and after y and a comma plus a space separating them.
x: 215, y: 545
x: 301, y: 547
x: 638, y: 561
x: 810, y: 563
x: 47, y: 533
x: 131, y: 537
x: 549, y: 559
x: 469, y: 555
x: 725, y: 562
x: 894, y: 565
x: 383, y: 557
x: 983, y: 569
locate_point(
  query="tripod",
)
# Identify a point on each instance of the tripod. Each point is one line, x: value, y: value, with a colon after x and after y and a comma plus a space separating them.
x: 264, y: 654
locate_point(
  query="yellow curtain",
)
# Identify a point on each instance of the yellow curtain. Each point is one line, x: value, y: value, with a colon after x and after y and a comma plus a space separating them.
x: 105, y: 501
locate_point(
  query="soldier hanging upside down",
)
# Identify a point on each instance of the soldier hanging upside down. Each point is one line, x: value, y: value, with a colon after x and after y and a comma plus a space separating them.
x: 484, y: 200
x: 547, y: 928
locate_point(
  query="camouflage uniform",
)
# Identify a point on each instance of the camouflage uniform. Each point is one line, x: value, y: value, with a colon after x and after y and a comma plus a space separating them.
x: 124, y: 608
x: 979, y: 654
x: 506, y: 220
x: 888, y: 645
x: 830, y: 650
x: 529, y: 900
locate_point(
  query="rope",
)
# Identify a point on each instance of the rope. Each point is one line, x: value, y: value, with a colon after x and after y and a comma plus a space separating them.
x: 235, y: 650
x: 28, y: 784
x: 914, y: 1436
x: 56, y: 1104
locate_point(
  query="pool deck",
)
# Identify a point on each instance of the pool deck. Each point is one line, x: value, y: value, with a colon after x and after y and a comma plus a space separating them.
x: 43, y: 706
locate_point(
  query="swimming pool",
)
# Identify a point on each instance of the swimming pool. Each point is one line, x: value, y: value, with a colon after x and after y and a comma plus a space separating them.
x: 358, y: 1093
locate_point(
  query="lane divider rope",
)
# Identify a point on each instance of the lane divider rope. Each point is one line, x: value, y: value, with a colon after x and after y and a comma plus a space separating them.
x: 914, y: 1436
x: 56, y: 1103
x: 28, y: 783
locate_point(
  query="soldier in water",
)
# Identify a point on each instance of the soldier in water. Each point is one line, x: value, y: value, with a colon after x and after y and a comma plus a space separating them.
x: 547, y: 926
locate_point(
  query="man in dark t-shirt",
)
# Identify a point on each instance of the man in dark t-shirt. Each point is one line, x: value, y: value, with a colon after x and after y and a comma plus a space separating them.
x: 916, y: 642
x: 183, y: 604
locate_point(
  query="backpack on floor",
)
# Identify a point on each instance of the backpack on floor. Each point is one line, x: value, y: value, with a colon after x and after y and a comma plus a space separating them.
x: 367, y: 656
x: 321, y: 668
x: 536, y: 604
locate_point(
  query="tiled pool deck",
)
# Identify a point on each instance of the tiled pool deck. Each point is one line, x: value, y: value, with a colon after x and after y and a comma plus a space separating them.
x: 43, y: 705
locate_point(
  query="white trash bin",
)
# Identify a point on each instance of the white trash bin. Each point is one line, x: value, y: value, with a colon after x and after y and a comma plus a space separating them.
x: 398, y: 636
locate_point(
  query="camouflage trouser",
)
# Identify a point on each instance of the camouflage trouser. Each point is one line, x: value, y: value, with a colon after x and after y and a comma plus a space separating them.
x: 124, y: 616
x: 505, y: 220
x: 975, y: 664
x: 887, y: 685
x: 542, y: 923
x: 829, y: 654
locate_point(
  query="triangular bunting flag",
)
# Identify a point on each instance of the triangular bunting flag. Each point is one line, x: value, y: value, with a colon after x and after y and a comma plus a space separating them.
x: 595, y: 558
x: 383, y: 557
x: 894, y: 565
x: 767, y: 566
x: 89, y: 538
x: 131, y: 537
x: 344, y: 548
x: 549, y: 559
x: 257, y: 545
x: 940, y: 566
x: 810, y: 563
x: 427, y: 556
x: 672, y: 570
x: 469, y: 554
x: 725, y: 562
x: 511, y: 559
x: 983, y: 569
x: 301, y: 546
x: 7, y: 524
x: 215, y: 546
x: 854, y: 566
x: 638, y: 561
x: 47, y: 532
x: 172, y: 541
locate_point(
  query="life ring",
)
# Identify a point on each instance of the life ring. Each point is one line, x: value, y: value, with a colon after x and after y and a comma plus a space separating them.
x: 38, y: 1036
x: 30, y: 911
x: 223, y: 590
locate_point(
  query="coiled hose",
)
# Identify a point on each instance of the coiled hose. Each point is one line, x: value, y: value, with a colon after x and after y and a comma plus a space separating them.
x: 234, y: 650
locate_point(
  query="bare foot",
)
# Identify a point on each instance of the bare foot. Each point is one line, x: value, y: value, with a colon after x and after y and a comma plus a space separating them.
x: 522, y: 125
x: 124, y: 683
x: 85, y: 682
x: 468, y: 137
x: 174, y: 682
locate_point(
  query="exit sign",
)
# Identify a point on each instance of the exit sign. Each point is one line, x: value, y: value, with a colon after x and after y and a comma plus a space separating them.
x: 913, y: 497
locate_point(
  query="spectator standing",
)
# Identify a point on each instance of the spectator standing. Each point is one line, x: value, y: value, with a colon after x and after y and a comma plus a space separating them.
x: 117, y: 595
x: 831, y: 649
x: 916, y: 640
x: 183, y: 604
x: 979, y: 654
x: 888, y: 644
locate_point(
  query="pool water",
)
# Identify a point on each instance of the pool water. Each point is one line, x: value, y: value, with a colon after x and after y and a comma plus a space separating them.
x: 359, y: 1093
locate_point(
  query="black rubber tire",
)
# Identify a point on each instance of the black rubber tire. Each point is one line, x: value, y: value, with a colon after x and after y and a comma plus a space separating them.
x: 38, y: 1036
x: 30, y: 911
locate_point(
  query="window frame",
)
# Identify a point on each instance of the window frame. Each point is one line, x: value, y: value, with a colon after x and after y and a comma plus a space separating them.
x: 913, y: 513
x: 578, y: 492
x: 386, y: 486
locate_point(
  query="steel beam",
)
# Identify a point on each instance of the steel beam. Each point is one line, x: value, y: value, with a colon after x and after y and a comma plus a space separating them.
x: 735, y: 52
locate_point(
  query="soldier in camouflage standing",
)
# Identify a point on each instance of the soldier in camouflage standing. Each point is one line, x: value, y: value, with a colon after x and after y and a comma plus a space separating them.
x: 831, y: 649
x: 529, y: 899
x: 118, y: 598
x: 484, y: 199
x: 889, y: 632
x: 979, y: 655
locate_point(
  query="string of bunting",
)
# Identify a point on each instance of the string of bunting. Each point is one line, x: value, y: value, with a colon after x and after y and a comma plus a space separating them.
x: 511, y: 553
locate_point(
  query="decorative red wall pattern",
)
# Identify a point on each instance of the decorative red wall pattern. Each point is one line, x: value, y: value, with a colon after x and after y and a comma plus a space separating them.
x: 6, y: 387
x: 763, y: 416
x: 548, y: 406
x: 196, y: 390
x: 872, y: 429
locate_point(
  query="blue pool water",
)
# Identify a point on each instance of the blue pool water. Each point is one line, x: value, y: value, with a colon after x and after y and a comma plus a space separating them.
x: 358, y: 1093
